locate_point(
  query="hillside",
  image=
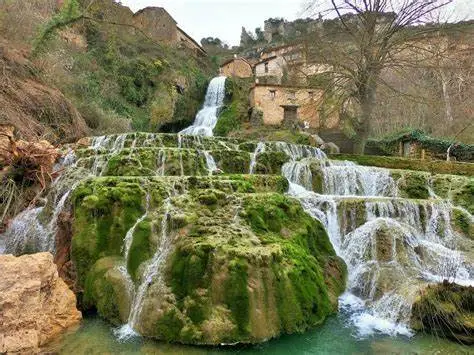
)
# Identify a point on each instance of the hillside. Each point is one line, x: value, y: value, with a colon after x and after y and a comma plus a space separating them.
x: 89, y: 70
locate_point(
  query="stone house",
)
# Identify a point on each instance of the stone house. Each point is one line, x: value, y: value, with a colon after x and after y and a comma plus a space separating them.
x: 237, y: 67
x: 290, y: 106
x: 270, y: 70
x: 287, y: 65
x: 157, y: 23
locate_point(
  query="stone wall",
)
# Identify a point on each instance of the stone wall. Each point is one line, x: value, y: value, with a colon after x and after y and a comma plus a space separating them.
x: 185, y: 40
x: 271, y: 71
x: 271, y: 98
x: 237, y: 67
x: 157, y: 23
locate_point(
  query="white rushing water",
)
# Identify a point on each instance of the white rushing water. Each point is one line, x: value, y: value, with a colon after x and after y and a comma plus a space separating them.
x: 400, y: 246
x: 206, y: 118
x: 210, y: 162
x: 151, y: 275
x: 253, y: 160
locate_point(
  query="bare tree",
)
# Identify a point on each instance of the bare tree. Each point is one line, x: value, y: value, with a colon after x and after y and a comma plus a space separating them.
x: 370, y: 37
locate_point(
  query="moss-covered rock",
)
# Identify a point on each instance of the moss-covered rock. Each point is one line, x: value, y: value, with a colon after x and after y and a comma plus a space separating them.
x: 446, y: 310
x: 458, y: 189
x: 107, y: 290
x: 242, y: 267
x: 414, y: 185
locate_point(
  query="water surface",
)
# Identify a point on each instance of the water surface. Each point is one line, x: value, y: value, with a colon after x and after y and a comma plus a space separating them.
x: 95, y: 336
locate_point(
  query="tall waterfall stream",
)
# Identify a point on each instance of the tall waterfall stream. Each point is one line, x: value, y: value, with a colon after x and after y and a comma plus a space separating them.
x: 423, y: 245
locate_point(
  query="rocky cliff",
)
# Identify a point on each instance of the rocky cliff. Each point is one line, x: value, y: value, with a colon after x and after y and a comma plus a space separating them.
x: 35, y: 304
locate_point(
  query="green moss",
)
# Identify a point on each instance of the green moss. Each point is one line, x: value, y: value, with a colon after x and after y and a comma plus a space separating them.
x: 140, y: 249
x: 169, y: 326
x: 271, y: 162
x: 462, y: 222
x: 304, y: 299
x: 237, y: 295
x: 414, y: 185
x: 236, y: 108
x: 101, y: 222
x: 106, y: 292
x: 228, y: 121
x: 188, y: 271
x: 445, y: 310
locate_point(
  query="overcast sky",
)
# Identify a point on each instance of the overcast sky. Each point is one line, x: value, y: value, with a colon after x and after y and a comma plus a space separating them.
x: 225, y: 18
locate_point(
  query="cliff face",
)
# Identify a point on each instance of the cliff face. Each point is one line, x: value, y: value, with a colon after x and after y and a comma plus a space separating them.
x: 34, y: 108
x: 35, y: 304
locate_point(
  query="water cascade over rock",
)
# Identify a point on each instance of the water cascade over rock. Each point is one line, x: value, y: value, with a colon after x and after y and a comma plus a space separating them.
x: 393, y: 246
x: 206, y: 119
x: 201, y: 240
x: 170, y: 242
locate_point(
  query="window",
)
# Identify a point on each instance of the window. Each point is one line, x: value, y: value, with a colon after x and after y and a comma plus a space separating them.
x: 272, y: 94
x: 266, y: 67
x: 292, y: 95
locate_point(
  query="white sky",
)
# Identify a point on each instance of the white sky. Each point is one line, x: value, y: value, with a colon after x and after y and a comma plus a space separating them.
x: 225, y: 18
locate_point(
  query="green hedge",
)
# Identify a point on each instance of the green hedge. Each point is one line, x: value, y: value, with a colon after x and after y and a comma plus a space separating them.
x: 438, y: 146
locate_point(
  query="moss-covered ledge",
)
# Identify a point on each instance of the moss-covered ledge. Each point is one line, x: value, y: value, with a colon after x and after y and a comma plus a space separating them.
x: 433, y: 166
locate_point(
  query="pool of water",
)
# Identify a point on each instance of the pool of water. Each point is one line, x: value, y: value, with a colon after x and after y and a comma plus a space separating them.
x: 95, y: 336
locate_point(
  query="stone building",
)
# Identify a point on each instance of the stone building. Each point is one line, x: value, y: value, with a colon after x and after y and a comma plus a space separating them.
x: 270, y: 70
x: 287, y: 65
x: 290, y: 106
x: 237, y: 67
x: 157, y: 23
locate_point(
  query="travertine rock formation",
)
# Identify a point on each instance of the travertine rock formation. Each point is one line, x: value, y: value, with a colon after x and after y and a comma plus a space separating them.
x: 35, y: 304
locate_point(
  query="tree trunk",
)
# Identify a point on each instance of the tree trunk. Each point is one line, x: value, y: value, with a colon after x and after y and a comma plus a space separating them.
x: 367, y: 101
x: 363, y: 129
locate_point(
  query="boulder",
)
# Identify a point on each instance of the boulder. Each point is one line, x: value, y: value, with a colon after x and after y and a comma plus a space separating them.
x: 330, y: 148
x: 35, y: 304
x: 315, y: 140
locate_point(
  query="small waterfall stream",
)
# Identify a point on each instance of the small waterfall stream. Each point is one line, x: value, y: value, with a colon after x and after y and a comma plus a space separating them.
x: 253, y: 161
x: 151, y: 274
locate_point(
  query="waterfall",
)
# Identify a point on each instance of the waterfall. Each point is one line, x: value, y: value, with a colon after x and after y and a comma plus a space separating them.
x: 129, y: 236
x: 347, y: 178
x: 210, y: 162
x: 253, y: 161
x: 152, y: 273
x: 206, y: 119
x: 392, y: 249
x: 161, y: 163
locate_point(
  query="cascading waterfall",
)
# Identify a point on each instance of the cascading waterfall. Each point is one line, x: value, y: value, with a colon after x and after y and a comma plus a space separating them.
x: 28, y: 232
x: 210, y: 162
x: 347, y: 178
x: 393, y: 246
x: 399, y: 246
x: 206, y: 119
x: 152, y: 273
x: 253, y: 161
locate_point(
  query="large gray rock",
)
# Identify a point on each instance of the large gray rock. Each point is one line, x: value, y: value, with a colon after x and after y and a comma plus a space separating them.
x: 315, y: 140
x: 330, y: 148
